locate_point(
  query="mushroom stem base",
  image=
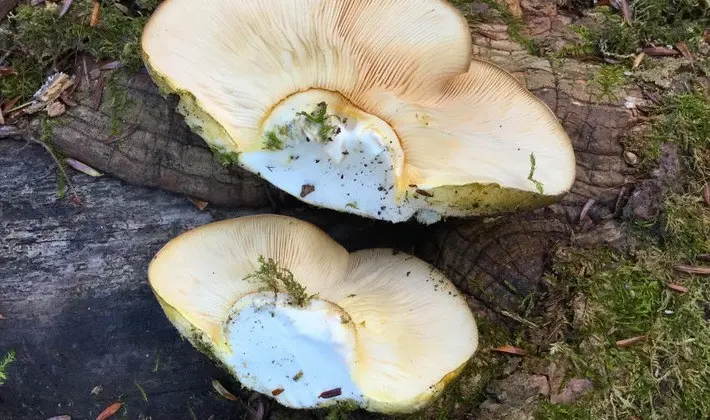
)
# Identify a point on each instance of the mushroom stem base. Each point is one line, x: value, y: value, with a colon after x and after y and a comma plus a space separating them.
x: 320, y: 147
x: 302, y: 356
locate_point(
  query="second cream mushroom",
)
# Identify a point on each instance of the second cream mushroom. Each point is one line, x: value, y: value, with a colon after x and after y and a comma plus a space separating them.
x: 294, y: 316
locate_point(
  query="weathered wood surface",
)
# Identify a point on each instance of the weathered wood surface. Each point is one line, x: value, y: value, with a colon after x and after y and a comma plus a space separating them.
x: 72, y: 279
x: 77, y: 308
x: 76, y: 303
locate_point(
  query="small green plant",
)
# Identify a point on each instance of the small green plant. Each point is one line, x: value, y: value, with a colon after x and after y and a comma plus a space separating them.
x: 272, y: 142
x: 341, y: 410
x: 320, y: 118
x: 225, y: 158
x: 275, y: 278
x: 64, y: 184
x: 4, y: 363
x: 538, y: 184
x: 584, y: 48
x: 607, y: 81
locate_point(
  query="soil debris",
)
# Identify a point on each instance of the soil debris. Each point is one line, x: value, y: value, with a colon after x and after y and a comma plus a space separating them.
x: 307, y: 189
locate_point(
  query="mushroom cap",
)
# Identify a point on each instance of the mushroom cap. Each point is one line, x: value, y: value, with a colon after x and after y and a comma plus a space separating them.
x: 456, y: 136
x: 386, y: 328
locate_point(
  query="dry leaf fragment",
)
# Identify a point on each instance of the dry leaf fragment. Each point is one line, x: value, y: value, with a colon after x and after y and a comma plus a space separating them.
x: 95, y: 14
x: 113, y: 65
x: 8, y: 105
x: 660, y: 51
x: 574, y: 389
x: 585, y: 210
x: 56, y: 109
x: 623, y: 6
x: 65, y: 7
x: 98, y: 92
x: 221, y: 390
x: 122, y: 8
x: 693, y: 269
x: 424, y: 193
x: 202, y: 205
x: 277, y: 391
x: 706, y: 194
x: 109, y: 411
x: 683, y: 48
x: 75, y: 199
x: 511, y: 350
x: 677, y: 288
x: 631, y: 341
x: 638, y: 60
x: 8, y: 131
x: 67, y: 100
x: 82, y: 167
x: 6, y: 71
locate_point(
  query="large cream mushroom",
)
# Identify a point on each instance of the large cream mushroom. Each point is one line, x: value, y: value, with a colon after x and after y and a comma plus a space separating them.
x: 294, y: 316
x: 373, y: 107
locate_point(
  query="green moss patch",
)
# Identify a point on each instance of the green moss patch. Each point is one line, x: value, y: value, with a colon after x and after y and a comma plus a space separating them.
x: 611, y: 296
x: 4, y: 364
x: 41, y: 40
x: 605, y: 33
